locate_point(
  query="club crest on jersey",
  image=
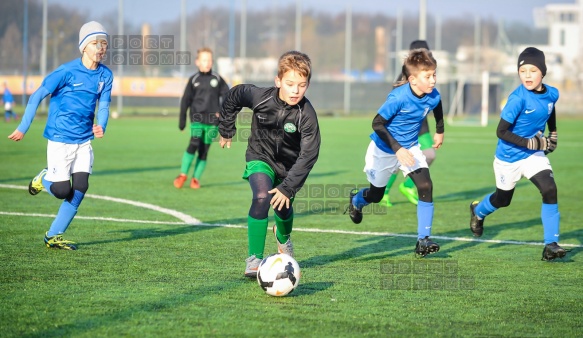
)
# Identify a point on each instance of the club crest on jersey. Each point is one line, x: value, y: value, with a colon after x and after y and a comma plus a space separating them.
x: 214, y: 83
x: 289, y: 128
x: 550, y: 106
x: 100, y: 86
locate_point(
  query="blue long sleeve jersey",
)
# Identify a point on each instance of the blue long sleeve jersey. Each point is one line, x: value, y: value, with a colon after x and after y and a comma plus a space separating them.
x: 405, y: 112
x: 7, y: 96
x: 527, y: 112
x: 75, y: 91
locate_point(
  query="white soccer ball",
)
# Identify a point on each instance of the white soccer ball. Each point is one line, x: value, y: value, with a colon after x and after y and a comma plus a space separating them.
x: 278, y: 274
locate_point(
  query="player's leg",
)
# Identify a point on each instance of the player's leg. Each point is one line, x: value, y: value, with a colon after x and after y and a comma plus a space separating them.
x: 80, y: 166
x: 507, y: 174
x: 261, y: 179
x: 386, y: 200
x: 284, y: 221
x: 407, y: 188
x: 545, y: 182
x: 425, y: 209
x: 209, y: 134
x: 379, y: 166
x: 188, y: 156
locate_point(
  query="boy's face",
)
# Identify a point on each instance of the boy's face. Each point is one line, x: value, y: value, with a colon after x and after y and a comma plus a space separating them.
x: 96, y: 49
x: 423, y: 82
x: 204, y: 62
x: 292, y: 87
x: 531, y: 77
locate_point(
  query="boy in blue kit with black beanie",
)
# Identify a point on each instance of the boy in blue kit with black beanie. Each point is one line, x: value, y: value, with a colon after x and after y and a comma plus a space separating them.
x: 522, y: 149
x: 75, y: 88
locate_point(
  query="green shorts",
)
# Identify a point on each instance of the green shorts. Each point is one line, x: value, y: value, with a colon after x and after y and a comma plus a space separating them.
x: 425, y: 141
x: 206, y: 132
x: 256, y: 166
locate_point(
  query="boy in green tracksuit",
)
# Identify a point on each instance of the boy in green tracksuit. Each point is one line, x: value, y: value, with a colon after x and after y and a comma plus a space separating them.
x: 202, y: 95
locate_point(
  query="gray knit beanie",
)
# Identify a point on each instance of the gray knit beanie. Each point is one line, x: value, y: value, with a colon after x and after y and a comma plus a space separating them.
x: 90, y: 31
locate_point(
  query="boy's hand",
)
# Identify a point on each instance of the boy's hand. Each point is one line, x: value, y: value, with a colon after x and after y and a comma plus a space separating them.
x: 225, y: 141
x: 437, y: 140
x: 278, y: 200
x: 405, y: 157
x: 98, y: 131
x: 16, y: 135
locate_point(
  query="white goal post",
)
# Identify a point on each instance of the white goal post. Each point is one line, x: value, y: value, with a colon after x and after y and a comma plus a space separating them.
x: 457, y: 115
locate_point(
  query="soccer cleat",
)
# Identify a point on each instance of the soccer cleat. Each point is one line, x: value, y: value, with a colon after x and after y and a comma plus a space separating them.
x: 425, y: 247
x: 179, y: 181
x: 57, y: 242
x: 552, y: 251
x: 36, y: 184
x: 410, y: 193
x: 386, y: 201
x: 354, y: 213
x: 194, y: 183
x: 287, y: 247
x: 252, y: 266
x: 476, y: 225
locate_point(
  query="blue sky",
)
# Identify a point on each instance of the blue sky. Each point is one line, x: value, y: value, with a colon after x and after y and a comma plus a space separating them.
x: 157, y: 11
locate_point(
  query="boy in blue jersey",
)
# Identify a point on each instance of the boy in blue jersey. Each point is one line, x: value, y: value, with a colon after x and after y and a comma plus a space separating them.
x: 395, y: 144
x: 75, y: 88
x: 407, y: 188
x: 522, y: 148
x: 8, y: 101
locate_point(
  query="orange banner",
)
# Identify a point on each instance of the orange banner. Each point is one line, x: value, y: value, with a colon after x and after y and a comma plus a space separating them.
x: 130, y: 86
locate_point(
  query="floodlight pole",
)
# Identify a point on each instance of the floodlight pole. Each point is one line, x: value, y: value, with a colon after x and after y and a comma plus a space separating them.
x: 422, y: 19
x: 120, y: 65
x: 43, y: 51
x: 347, y: 58
x: 298, y: 45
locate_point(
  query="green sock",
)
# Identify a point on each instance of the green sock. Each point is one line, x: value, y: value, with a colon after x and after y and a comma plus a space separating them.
x: 284, y: 228
x: 256, y: 232
x: 390, y: 183
x: 186, y: 162
x: 409, y: 183
x: 199, y: 168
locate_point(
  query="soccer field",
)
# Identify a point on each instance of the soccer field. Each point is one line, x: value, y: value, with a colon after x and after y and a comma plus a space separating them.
x: 157, y: 261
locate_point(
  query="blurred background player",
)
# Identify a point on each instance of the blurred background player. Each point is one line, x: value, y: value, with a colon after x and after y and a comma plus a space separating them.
x: 395, y: 144
x: 203, y: 96
x: 522, y: 148
x: 408, y: 188
x: 75, y: 87
x: 8, y: 101
x: 282, y: 149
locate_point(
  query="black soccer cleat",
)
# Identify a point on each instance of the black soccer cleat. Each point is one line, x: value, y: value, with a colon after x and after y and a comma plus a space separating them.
x: 476, y: 225
x: 354, y: 213
x: 552, y: 251
x: 425, y: 247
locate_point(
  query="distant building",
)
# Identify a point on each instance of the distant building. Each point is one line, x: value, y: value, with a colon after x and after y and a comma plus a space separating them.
x: 565, y: 44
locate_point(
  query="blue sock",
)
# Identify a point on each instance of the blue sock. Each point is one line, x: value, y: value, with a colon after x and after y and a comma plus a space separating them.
x: 358, y: 200
x: 485, y: 208
x: 65, y: 216
x: 424, y: 219
x: 550, y: 216
x: 47, y: 185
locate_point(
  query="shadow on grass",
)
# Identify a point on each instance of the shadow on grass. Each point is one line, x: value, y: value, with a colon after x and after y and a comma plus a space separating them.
x: 137, y: 234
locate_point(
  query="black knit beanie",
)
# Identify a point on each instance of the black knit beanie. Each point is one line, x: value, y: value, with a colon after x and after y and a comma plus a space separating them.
x: 418, y: 44
x: 533, y: 56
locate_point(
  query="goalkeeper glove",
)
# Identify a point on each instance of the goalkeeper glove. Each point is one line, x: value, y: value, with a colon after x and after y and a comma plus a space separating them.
x: 538, y: 142
x: 552, y: 140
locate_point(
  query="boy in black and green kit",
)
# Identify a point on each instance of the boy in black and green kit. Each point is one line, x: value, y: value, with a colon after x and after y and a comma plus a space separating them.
x: 282, y: 149
x: 202, y: 95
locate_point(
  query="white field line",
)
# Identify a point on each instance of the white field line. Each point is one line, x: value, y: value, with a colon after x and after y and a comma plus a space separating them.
x: 188, y: 220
